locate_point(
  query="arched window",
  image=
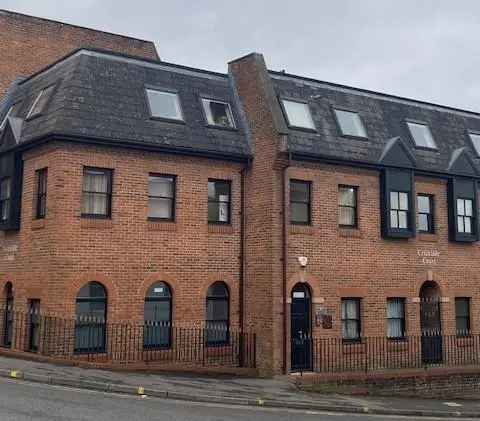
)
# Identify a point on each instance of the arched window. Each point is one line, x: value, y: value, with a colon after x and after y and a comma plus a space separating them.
x: 91, y: 314
x: 217, y: 320
x: 158, y: 316
x: 8, y: 317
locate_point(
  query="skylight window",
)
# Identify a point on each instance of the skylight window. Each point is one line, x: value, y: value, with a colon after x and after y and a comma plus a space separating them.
x: 421, y: 135
x: 218, y: 113
x: 350, y: 123
x: 298, y: 114
x: 40, y: 102
x: 4, y: 121
x: 164, y: 105
x: 475, y: 138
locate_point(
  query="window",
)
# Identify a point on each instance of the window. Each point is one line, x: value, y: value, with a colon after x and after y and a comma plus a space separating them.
x: 395, y: 318
x: 350, y: 123
x: 5, y: 198
x: 464, y: 215
x: 217, y: 320
x: 218, y: 113
x: 97, y: 193
x: 219, y: 201
x: 161, y: 197
x: 164, y: 105
x: 34, y: 324
x: 298, y: 114
x: 157, y: 330
x: 421, y: 135
x: 300, y: 202
x: 425, y: 213
x: 90, y: 320
x: 474, y: 137
x: 462, y: 316
x: 347, y: 206
x: 351, y: 329
x: 4, y: 121
x: 41, y: 202
x: 8, y: 316
x: 40, y: 102
x: 399, y: 210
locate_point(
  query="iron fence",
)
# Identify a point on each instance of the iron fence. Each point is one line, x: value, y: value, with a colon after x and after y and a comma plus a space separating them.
x: 335, y: 355
x: 96, y: 340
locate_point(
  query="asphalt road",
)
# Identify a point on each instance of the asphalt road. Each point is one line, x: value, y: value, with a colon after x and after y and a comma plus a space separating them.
x: 21, y: 401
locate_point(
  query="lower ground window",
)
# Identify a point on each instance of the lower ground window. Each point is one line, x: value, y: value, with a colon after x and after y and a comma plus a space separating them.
x: 217, y: 317
x: 396, y: 318
x: 157, y: 330
x: 462, y: 316
x: 351, y: 319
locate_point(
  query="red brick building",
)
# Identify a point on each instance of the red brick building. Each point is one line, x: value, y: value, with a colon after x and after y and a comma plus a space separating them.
x: 137, y: 190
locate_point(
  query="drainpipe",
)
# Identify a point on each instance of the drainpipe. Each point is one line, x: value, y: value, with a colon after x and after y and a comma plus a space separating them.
x: 241, y: 300
x: 284, y: 259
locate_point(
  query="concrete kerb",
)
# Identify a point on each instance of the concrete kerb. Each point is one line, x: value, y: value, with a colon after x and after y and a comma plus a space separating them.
x: 267, y: 403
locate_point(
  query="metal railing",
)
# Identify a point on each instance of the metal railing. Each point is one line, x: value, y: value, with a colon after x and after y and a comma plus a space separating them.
x: 335, y: 355
x: 93, y: 339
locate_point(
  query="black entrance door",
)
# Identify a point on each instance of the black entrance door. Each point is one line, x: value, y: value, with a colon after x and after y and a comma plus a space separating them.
x: 301, y: 322
x: 432, y: 346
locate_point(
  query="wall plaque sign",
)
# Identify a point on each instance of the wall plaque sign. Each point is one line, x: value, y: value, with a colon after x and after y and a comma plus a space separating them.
x: 428, y: 257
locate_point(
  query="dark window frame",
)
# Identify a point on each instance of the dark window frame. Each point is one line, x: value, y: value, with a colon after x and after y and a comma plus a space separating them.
x: 308, y: 203
x: 355, y: 208
x: 358, y: 302
x: 468, y: 317
x: 8, y: 322
x: 230, y: 199
x: 471, y: 218
x: 225, y: 298
x: 6, y: 201
x: 402, y: 319
x: 205, y: 116
x: 173, y: 199
x: 412, y: 139
x: 157, y: 299
x: 108, y: 193
x: 285, y: 114
x: 430, y: 216
x: 408, y: 211
x: 41, y: 193
x: 339, y: 126
x: 30, y: 114
x: 34, y: 323
x: 147, y: 88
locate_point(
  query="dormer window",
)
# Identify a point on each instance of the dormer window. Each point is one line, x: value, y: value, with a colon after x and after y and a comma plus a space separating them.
x: 218, y: 113
x: 164, y: 105
x: 475, y: 138
x: 4, y: 121
x: 40, y: 102
x: 298, y: 114
x: 350, y: 123
x: 421, y: 134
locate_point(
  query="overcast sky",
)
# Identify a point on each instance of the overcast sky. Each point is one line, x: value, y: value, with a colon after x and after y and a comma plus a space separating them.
x: 425, y: 49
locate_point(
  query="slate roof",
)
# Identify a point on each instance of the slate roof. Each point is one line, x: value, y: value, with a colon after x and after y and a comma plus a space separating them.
x: 384, y: 118
x: 101, y: 95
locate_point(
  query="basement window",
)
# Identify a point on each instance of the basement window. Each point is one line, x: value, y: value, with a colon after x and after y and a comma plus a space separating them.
x: 164, y: 105
x: 218, y: 113
x: 40, y: 102
x: 350, y: 123
x: 298, y: 114
x: 421, y: 134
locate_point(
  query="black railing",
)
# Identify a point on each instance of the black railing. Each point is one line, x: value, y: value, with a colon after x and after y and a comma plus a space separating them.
x: 93, y: 339
x: 335, y: 355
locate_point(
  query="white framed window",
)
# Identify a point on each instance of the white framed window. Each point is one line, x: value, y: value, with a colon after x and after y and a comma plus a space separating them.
x: 40, y: 102
x: 163, y: 104
x: 161, y: 197
x: 421, y: 135
x: 350, y: 123
x: 218, y: 113
x: 298, y: 114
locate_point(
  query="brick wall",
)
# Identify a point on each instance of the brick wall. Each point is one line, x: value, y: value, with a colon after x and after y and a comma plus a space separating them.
x: 30, y: 43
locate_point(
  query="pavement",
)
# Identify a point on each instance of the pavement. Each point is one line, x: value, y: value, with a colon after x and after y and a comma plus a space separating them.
x: 278, y: 392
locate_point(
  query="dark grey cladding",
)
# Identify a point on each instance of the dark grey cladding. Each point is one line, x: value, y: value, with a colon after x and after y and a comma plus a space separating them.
x: 384, y: 118
x: 102, y: 96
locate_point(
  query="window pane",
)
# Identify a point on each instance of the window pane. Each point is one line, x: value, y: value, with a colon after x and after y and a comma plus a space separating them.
x: 158, y: 311
x: 94, y: 204
x: 461, y: 227
x: 164, y: 104
x: 394, y: 200
x: 403, y: 201
x: 349, y: 309
x: 467, y: 222
x: 346, y: 196
x: 218, y: 113
x: 299, y: 191
x: 298, y: 114
x: 462, y: 307
x: 423, y: 204
x: 160, y: 208
x: 95, y: 181
x: 394, y: 219
x: 423, y: 222
x: 213, y: 212
x: 395, y: 328
x: 468, y: 207
x: 402, y: 219
x: 219, y: 190
x: 5, y: 189
x: 40, y: 101
x: 350, y: 329
x: 4, y: 121
x: 346, y: 216
x: 421, y: 135
x: 476, y: 142
x: 460, y: 207
x: 299, y: 212
x: 350, y: 123
x: 395, y: 307
x: 160, y: 186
